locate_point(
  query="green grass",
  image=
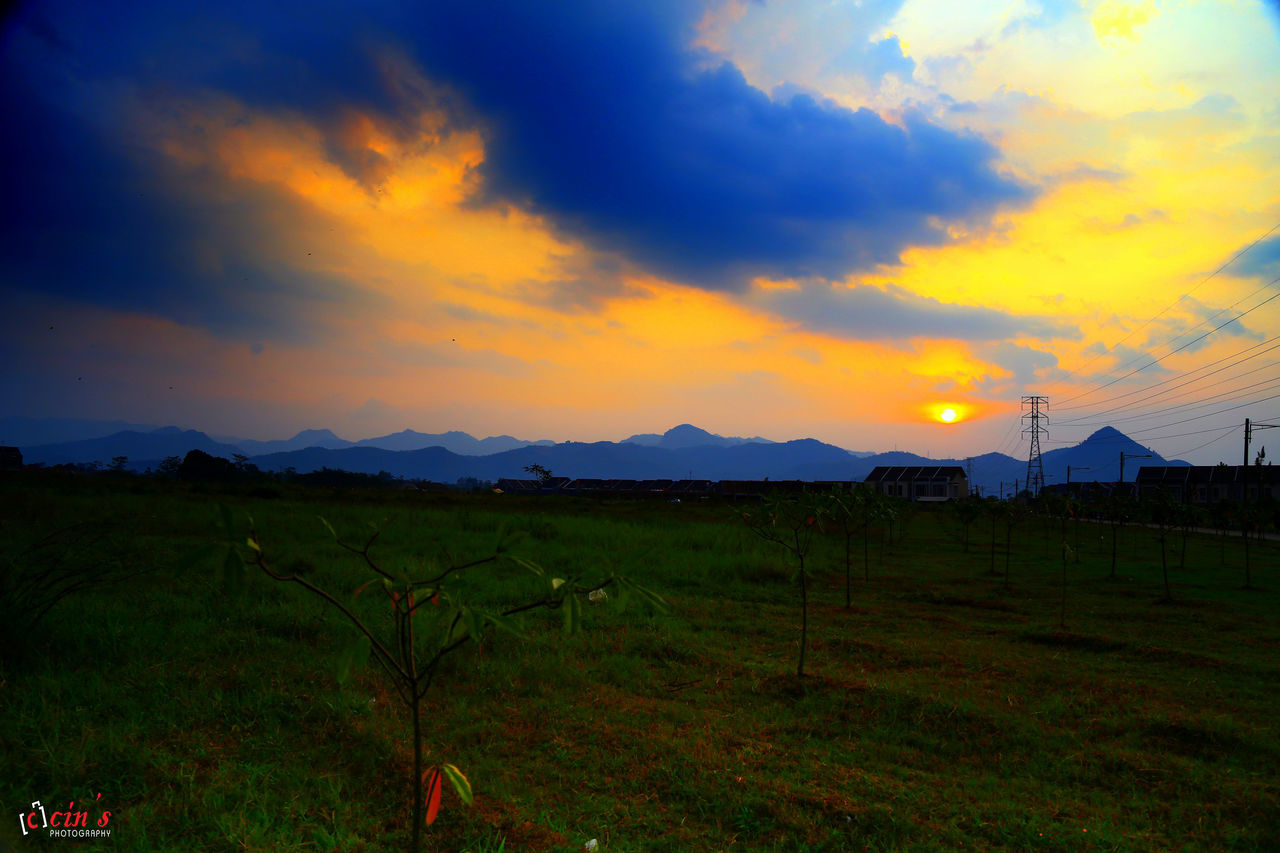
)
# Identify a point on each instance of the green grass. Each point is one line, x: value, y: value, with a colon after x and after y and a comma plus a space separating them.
x: 943, y: 711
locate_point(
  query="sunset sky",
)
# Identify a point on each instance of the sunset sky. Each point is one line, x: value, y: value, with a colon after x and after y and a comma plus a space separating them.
x: 583, y: 220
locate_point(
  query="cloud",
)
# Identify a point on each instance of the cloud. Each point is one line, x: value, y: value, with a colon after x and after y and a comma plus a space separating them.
x: 870, y: 313
x: 1102, y: 225
x: 1125, y: 359
x: 1027, y: 366
x: 1213, y: 115
x: 1115, y: 19
x: 451, y: 355
x: 1263, y: 260
x: 1178, y: 332
x: 598, y: 118
x: 875, y: 59
x: 1083, y: 173
x: 1025, y: 363
x: 92, y: 211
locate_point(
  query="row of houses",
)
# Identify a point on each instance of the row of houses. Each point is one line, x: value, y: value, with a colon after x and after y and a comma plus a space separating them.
x: 1196, y: 484
x: 916, y: 483
x: 1209, y: 484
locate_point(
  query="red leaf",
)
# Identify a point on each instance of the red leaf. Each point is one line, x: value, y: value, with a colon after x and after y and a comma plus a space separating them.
x: 431, y: 779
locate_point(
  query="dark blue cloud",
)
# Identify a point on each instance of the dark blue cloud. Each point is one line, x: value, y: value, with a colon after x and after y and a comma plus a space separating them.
x: 596, y: 115
x: 92, y: 211
x: 1263, y: 260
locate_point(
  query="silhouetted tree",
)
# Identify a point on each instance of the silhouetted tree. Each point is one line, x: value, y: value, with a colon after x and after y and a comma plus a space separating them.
x: 543, y: 474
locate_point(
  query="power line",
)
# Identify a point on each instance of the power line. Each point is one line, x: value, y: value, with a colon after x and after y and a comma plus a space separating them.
x: 1226, y: 431
x: 1156, y: 361
x: 1167, y: 308
x: 1206, y: 401
x: 1210, y: 415
x: 1004, y: 442
x: 1184, y: 374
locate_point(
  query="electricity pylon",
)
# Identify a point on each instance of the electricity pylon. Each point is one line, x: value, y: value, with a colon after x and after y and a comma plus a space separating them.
x: 1034, y: 408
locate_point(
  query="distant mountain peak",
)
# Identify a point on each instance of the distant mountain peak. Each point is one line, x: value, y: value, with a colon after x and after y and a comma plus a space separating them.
x: 315, y: 434
x: 1108, y: 433
x: 686, y: 430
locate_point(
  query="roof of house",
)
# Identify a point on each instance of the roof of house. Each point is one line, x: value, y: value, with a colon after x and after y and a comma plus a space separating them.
x: 912, y: 473
x: 1176, y: 475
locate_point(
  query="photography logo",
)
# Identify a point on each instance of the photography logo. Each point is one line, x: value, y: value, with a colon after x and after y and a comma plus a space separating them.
x: 71, y: 823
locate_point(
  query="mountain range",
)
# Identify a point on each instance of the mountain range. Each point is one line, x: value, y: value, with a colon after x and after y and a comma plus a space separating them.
x: 682, y: 452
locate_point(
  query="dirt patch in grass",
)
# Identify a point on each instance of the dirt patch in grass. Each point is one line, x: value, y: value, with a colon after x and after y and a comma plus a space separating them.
x: 1181, y: 658
x: 1203, y: 742
x: 945, y: 600
x: 1069, y: 640
x: 1103, y: 645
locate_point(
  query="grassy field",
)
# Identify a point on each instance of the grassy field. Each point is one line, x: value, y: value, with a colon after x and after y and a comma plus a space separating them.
x: 943, y: 710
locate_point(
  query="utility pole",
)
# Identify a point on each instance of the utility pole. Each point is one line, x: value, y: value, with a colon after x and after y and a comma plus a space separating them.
x: 1244, y: 505
x: 1249, y: 427
x: 1074, y: 514
x: 1035, y: 466
x: 1124, y: 456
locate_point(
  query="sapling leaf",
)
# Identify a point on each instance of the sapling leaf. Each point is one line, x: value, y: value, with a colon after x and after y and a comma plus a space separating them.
x: 526, y: 564
x: 650, y: 597
x: 472, y: 623
x: 422, y: 596
x: 505, y: 623
x: 556, y: 583
x: 572, y: 608
x: 363, y: 587
x: 457, y: 626
x: 431, y: 781
x: 253, y: 543
x: 233, y: 572
x: 328, y: 527
x: 460, y: 783
x: 353, y: 656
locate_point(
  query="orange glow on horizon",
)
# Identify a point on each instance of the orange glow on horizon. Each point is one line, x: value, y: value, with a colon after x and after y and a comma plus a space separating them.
x: 947, y: 412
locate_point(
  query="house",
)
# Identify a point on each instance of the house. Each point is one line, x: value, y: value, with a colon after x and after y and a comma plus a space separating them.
x: 920, y: 482
x: 551, y: 484
x: 738, y: 489
x: 1208, y: 484
x: 691, y: 487
x: 512, y: 485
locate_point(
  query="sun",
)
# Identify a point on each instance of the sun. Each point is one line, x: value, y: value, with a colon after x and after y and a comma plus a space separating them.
x: 947, y: 415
